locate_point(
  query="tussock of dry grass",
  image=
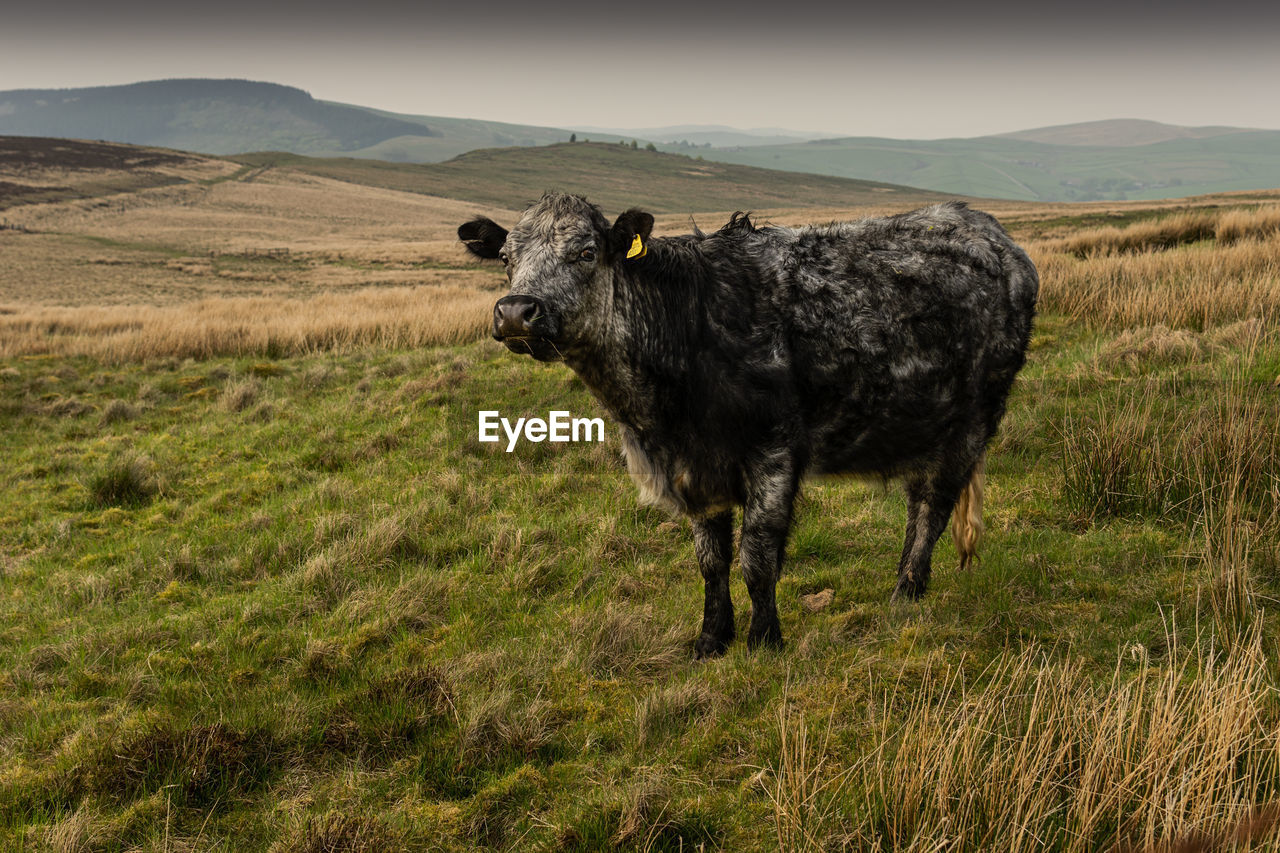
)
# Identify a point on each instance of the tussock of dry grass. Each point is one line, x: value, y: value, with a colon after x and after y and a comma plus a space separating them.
x: 1135, y: 276
x: 499, y: 723
x: 1240, y: 335
x: 803, y: 787
x: 119, y: 410
x: 1163, y: 233
x: 1141, y: 458
x: 647, y: 811
x: 1155, y: 346
x: 671, y: 706
x: 128, y: 479
x: 273, y: 327
x: 338, y: 831
x: 238, y: 396
x: 1236, y: 225
x: 354, y: 551
x: 1149, y: 345
x: 76, y: 832
x: 1196, y: 287
x: 1188, y: 226
x: 626, y: 640
x: 1040, y: 757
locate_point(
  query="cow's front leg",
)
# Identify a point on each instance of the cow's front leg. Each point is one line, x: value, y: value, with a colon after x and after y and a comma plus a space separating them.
x: 713, y: 543
x: 766, y: 521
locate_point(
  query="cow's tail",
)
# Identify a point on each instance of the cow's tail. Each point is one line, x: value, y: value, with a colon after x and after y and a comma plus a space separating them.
x: 966, y: 519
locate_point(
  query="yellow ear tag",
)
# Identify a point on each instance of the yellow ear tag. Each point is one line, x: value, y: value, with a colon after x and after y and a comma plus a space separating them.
x: 638, y: 248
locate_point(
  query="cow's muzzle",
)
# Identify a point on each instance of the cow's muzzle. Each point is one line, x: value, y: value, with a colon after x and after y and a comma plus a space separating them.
x: 525, y: 326
x: 515, y: 316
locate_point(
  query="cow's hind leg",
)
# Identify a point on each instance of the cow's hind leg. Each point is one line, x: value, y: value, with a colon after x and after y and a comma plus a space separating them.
x: 766, y: 521
x: 915, y: 490
x: 713, y: 543
x: 930, y: 501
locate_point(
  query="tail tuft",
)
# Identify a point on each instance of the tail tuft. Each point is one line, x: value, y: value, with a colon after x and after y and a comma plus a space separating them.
x: 966, y: 518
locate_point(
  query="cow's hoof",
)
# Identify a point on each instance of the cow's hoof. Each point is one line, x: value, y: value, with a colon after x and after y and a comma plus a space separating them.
x: 709, y: 646
x: 908, y: 589
x: 770, y: 636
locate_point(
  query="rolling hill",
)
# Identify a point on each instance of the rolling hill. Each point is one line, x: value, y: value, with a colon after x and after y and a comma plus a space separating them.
x: 1118, y: 133
x: 709, y: 135
x: 1104, y: 160
x: 37, y: 169
x: 456, y: 136
x: 210, y: 116
x: 614, y: 176
x: 234, y: 116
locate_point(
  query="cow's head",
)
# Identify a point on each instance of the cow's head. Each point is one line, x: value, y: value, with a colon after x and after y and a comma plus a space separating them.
x: 561, y: 258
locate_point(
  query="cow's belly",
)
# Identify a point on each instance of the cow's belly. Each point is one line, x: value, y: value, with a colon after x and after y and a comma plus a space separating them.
x: 889, y: 421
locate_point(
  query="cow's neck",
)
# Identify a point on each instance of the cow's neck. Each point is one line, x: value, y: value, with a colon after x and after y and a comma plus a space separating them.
x: 642, y: 369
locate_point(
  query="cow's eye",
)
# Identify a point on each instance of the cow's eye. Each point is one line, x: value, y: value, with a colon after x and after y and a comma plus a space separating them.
x: 587, y: 255
x: 502, y: 256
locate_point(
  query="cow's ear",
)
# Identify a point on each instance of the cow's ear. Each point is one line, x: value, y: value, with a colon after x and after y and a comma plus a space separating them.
x: 484, y: 237
x: 629, y: 236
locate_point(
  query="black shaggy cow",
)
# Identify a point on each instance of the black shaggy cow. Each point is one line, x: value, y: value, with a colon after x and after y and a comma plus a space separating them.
x: 739, y: 361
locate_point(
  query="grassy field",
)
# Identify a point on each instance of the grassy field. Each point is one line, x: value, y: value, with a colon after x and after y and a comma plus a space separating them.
x: 265, y: 596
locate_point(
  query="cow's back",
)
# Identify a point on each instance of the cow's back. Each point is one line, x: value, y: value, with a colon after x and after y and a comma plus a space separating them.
x: 903, y: 332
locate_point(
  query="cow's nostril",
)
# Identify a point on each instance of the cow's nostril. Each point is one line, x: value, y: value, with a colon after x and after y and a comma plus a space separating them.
x: 514, y: 316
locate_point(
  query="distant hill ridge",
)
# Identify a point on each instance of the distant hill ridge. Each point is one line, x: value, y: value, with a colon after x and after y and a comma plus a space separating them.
x: 210, y: 116
x: 1114, y: 159
x: 1118, y: 133
x: 1068, y: 163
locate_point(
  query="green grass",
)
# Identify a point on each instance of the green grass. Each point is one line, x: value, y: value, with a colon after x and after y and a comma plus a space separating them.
x: 614, y: 176
x: 295, y: 605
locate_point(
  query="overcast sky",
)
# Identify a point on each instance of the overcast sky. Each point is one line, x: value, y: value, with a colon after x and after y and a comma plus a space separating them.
x: 902, y: 68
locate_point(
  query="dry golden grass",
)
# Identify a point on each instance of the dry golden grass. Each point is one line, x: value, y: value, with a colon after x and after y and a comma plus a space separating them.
x: 1197, y: 286
x: 1164, y: 233
x: 1186, y: 226
x: 1192, y: 269
x: 1152, y: 345
x: 804, y: 787
x: 272, y: 209
x: 1143, y: 347
x: 1234, y: 225
x: 288, y: 248
x: 1038, y: 756
x: 66, y: 270
x: 269, y: 326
